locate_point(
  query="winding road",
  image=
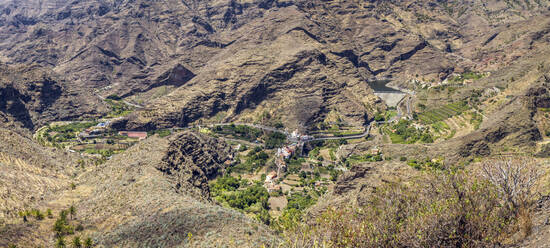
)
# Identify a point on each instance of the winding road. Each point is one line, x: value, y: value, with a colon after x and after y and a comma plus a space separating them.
x: 124, y: 101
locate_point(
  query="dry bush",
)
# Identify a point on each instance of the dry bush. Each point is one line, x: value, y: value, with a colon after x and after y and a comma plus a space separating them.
x: 515, y: 179
x: 443, y: 209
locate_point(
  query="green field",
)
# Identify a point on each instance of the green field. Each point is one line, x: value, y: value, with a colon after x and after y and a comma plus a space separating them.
x: 439, y: 114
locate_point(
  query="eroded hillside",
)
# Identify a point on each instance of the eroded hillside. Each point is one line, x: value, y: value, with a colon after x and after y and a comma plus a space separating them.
x: 238, y: 123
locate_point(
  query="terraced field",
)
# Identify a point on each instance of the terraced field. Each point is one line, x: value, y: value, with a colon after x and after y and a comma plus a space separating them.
x: 442, y: 113
x: 455, y: 126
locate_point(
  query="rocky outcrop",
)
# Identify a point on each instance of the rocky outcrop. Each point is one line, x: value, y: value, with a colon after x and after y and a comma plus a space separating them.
x: 192, y: 159
x: 31, y: 96
x: 155, y: 194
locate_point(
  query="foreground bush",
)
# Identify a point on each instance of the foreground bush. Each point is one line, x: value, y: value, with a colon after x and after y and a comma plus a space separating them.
x: 441, y: 209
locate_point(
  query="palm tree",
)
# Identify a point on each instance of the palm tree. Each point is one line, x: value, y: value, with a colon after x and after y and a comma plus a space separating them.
x: 76, y: 242
x: 63, y: 215
x: 88, y: 243
x: 60, y: 242
x: 72, y: 211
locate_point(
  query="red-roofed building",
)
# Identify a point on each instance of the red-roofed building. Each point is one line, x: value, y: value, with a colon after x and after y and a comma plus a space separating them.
x: 134, y: 134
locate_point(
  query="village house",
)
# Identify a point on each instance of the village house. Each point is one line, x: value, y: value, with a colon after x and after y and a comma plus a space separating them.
x: 281, y: 165
x: 269, y: 182
x: 287, y: 151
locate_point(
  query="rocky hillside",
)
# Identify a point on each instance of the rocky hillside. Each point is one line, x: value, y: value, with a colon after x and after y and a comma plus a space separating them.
x: 191, y: 160
x: 32, y: 96
x: 188, y: 60
x: 155, y: 193
x: 291, y: 64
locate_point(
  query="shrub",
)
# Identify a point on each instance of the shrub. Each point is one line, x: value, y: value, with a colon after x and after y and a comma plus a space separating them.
x: 88, y: 243
x: 37, y: 214
x: 515, y: 179
x: 225, y: 183
x: 60, y: 243
x: 61, y: 226
x: 442, y: 209
x: 76, y: 242
x: 274, y: 140
x: 72, y: 211
x: 114, y: 97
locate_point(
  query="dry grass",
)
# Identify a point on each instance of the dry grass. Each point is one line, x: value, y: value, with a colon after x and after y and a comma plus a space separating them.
x: 22, y: 184
x: 438, y: 209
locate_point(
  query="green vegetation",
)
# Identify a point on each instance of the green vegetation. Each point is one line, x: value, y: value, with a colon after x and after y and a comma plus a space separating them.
x: 255, y: 159
x: 339, y: 128
x: 355, y: 158
x: 161, y: 132
x: 118, y: 108
x: 103, y: 152
x: 252, y: 199
x: 451, y: 134
x: 292, y: 214
x: 453, y: 209
x: 466, y: 76
x: 239, y: 131
x: 379, y: 117
x: 315, y: 152
x: 60, y: 242
x: 88, y: 243
x: 294, y: 165
x: 439, y: 114
x: 426, y: 164
x: 74, y: 127
x: 62, y: 226
x: 62, y: 136
x: 226, y: 183
x: 76, y: 242
x: 37, y: 214
x: 476, y: 120
x: 114, y: 97
x: 440, y: 127
x: 403, y: 133
x: 275, y: 140
x: 63, y: 133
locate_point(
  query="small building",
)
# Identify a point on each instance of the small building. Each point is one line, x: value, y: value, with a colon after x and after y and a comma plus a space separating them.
x: 269, y: 182
x: 103, y: 124
x: 272, y: 175
x: 281, y: 165
x: 134, y: 134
